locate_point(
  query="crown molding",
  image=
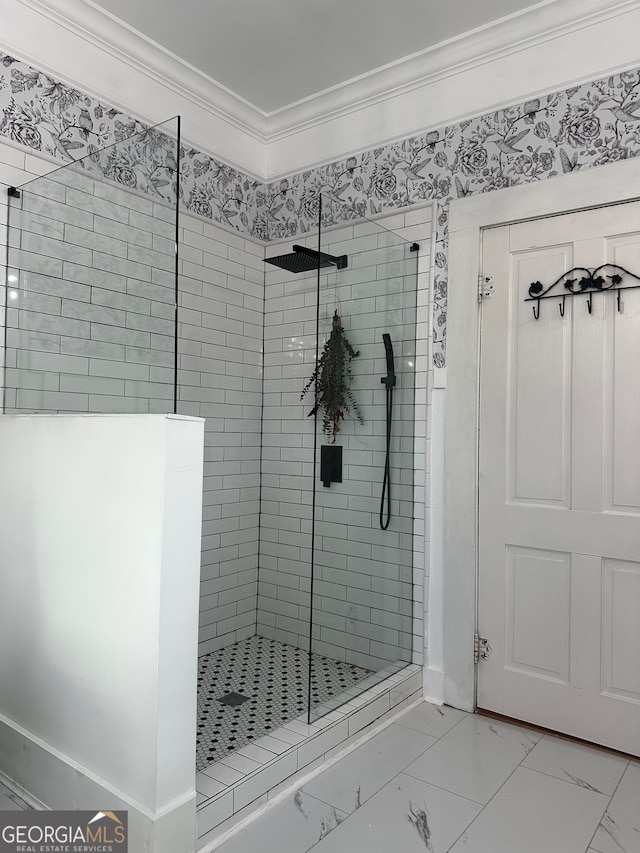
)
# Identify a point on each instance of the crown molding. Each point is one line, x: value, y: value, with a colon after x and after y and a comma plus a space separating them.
x: 107, y: 32
x: 568, y: 54
x: 127, y: 69
x: 110, y: 41
x: 544, y: 22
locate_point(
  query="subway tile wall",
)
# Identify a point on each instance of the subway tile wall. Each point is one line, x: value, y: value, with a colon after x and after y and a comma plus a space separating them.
x: 91, y: 296
x: 220, y: 379
x: 284, y: 589
x: 91, y: 328
x: 16, y: 167
x: 362, y: 575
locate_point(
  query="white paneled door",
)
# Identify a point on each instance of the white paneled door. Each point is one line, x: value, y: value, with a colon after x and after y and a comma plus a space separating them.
x: 559, y: 488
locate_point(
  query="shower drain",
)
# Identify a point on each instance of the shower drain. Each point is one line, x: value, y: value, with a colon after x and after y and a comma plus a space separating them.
x: 233, y: 699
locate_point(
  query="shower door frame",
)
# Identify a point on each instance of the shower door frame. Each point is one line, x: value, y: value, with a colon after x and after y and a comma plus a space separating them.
x: 412, y: 246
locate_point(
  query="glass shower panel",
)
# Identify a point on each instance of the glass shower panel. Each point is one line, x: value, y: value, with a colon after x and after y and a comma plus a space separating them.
x: 362, y: 562
x: 92, y: 281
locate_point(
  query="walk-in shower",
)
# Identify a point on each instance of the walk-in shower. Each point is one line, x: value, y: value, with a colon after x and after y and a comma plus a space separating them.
x: 334, y: 604
x: 305, y: 601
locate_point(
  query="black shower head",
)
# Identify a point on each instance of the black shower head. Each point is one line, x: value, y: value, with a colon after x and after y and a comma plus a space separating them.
x: 303, y: 260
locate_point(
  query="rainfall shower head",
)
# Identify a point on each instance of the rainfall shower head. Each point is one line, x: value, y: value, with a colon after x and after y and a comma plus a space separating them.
x: 303, y: 260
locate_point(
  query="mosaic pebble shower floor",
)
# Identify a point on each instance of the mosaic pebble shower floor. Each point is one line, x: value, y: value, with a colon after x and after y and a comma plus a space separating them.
x: 274, y: 678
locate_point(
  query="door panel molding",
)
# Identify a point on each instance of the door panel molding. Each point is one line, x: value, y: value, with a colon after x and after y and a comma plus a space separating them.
x: 607, y: 185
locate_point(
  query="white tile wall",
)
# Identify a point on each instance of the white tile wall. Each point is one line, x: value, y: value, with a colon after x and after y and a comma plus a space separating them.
x: 87, y: 331
x: 220, y: 379
x: 13, y: 172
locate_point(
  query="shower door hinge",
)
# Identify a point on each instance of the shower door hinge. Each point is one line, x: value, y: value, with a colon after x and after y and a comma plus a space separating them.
x: 485, y: 288
x: 481, y: 648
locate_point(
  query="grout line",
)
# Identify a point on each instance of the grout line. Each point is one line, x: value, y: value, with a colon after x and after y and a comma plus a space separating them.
x: 608, y: 804
x: 403, y: 771
x: 484, y: 806
x: 502, y: 786
x: 567, y: 781
x: 441, y: 788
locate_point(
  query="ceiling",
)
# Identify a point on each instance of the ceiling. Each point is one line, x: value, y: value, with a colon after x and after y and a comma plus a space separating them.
x: 274, y: 53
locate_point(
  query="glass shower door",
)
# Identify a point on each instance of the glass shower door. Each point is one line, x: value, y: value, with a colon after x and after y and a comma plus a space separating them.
x: 363, y: 516
x: 92, y: 282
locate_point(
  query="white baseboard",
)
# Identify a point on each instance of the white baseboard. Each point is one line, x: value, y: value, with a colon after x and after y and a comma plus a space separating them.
x: 48, y: 779
x: 433, y: 685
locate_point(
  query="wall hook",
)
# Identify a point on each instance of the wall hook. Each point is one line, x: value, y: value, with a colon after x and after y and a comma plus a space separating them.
x: 536, y: 310
x: 581, y: 281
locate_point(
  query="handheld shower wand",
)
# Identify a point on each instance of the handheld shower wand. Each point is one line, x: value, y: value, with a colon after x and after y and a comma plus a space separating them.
x: 389, y: 382
x: 390, y: 379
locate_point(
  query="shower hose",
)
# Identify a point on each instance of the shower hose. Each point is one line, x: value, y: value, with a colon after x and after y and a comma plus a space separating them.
x: 385, y: 512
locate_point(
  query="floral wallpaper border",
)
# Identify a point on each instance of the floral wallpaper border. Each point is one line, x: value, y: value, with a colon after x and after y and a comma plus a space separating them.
x: 581, y: 127
x: 49, y: 116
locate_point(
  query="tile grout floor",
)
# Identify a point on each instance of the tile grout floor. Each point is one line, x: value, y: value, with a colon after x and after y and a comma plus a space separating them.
x: 269, y: 682
x: 440, y: 780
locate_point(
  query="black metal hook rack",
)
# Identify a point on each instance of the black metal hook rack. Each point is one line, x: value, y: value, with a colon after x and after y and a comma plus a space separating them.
x: 607, y: 278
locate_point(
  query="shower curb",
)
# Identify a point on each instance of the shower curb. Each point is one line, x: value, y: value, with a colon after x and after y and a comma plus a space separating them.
x: 312, y: 746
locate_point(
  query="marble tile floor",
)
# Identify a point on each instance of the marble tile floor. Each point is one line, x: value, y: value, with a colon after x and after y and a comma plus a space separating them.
x: 439, y: 780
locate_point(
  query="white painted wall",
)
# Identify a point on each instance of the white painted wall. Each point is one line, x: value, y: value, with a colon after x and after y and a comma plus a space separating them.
x: 434, y: 582
x: 99, y: 568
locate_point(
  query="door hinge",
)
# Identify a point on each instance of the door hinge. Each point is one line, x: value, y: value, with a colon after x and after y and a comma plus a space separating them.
x: 485, y: 288
x: 481, y: 648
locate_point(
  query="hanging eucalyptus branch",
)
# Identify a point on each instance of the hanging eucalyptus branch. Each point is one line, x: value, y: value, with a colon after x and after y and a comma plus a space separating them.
x: 332, y: 378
